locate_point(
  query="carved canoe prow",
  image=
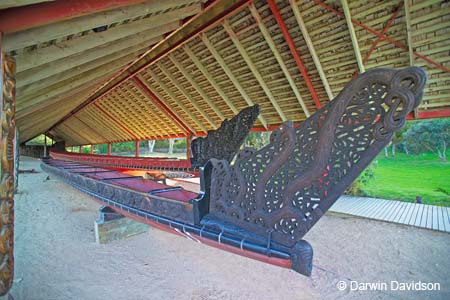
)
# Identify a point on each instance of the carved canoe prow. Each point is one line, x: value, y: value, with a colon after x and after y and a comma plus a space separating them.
x: 224, y: 142
x: 280, y: 191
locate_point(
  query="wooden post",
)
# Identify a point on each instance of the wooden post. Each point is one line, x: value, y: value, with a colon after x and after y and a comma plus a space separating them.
x: 80, y: 149
x: 92, y: 149
x: 188, y: 147
x: 7, y: 132
x: 138, y: 149
x: 45, y: 145
x: 109, y: 149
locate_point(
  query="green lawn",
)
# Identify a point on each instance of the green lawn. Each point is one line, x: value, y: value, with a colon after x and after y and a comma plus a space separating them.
x: 405, y: 177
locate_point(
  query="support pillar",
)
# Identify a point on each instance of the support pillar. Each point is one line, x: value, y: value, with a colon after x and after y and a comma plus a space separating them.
x: 109, y: 149
x: 80, y: 149
x: 138, y: 149
x: 45, y: 145
x: 92, y: 149
x: 7, y: 134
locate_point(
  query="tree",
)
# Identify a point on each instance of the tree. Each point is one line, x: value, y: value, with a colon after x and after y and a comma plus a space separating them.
x: 397, y: 140
x: 171, y: 142
x: 151, y: 146
x: 429, y: 135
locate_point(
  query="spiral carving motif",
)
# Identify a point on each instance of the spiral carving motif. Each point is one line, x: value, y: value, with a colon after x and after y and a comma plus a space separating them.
x: 7, y: 119
x: 284, y: 188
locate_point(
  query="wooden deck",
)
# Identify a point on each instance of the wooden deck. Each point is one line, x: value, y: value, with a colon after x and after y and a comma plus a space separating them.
x: 414, y: 214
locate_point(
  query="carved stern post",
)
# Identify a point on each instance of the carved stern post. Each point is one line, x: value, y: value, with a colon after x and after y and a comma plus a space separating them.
x: 7, y: 133
x: 274, y: 196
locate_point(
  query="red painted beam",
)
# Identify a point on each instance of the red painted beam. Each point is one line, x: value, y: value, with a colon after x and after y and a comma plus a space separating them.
x: 430, y: 114
x: 169, y: 113
x: 384, y: 37
x: 379, y: 39
x: 26, y: 17
x: 236, y: 7
x: 115, y: 121
x: 276, y: 13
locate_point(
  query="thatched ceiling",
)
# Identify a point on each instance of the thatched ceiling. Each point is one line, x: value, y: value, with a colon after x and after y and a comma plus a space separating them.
x: 230, y: 55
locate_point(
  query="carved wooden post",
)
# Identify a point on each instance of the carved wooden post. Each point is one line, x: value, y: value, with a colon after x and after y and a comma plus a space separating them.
x: 7, y: 121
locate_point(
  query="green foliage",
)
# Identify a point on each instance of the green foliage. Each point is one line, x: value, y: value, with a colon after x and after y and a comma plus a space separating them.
x: 429, y: 136
x: 86, y: 149
x: 101, y: 149
x: 39, y: 141
x: 406, y: 176
x: 163, y: 145
x: 125, y: 147
x: 257, y: 140
x: 357, y: 187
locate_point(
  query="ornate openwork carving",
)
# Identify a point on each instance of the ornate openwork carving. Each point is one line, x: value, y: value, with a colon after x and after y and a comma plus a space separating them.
x: 7, y: 121
x: 224, y: 142
x: 284, y: 188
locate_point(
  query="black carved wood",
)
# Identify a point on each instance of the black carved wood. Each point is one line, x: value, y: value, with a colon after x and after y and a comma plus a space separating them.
x: 224, y: 142
x: 283, y: 189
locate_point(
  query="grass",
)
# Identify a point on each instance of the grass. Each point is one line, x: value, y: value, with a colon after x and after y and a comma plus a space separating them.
x: 405, y: 177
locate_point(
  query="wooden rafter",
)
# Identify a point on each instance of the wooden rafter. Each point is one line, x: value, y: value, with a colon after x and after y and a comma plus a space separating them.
x: 101, y: 124
x: 265, y: 32
x: 312, y: 50
x: 230, y: 75
x: 176, y: 100
x: 152, y: 96
x: 156, y: 121
x: 103, y: 65
x: 118, y: 108
x: 60, y: 89
x: 210, y: 16
x: 69, y: 99
x: 90, y: 128
x: 384, y: 37
x: 25, y: 38
x: 84, y: 50
x: 186, y: 94
x: 78, y: 127
x: 351, y: 29
x: 409, y: 32
x: 185, y: 124
x: 119, y: 124
x: 196, y: 86
x: 14, y: 3
x: 294, y: 51
x: 254, y: 70
x: 78, y: 134
x: 80, y: 50
x: 210, y: 78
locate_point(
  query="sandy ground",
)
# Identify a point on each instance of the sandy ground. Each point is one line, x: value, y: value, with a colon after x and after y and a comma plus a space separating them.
x: 56, y: 257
